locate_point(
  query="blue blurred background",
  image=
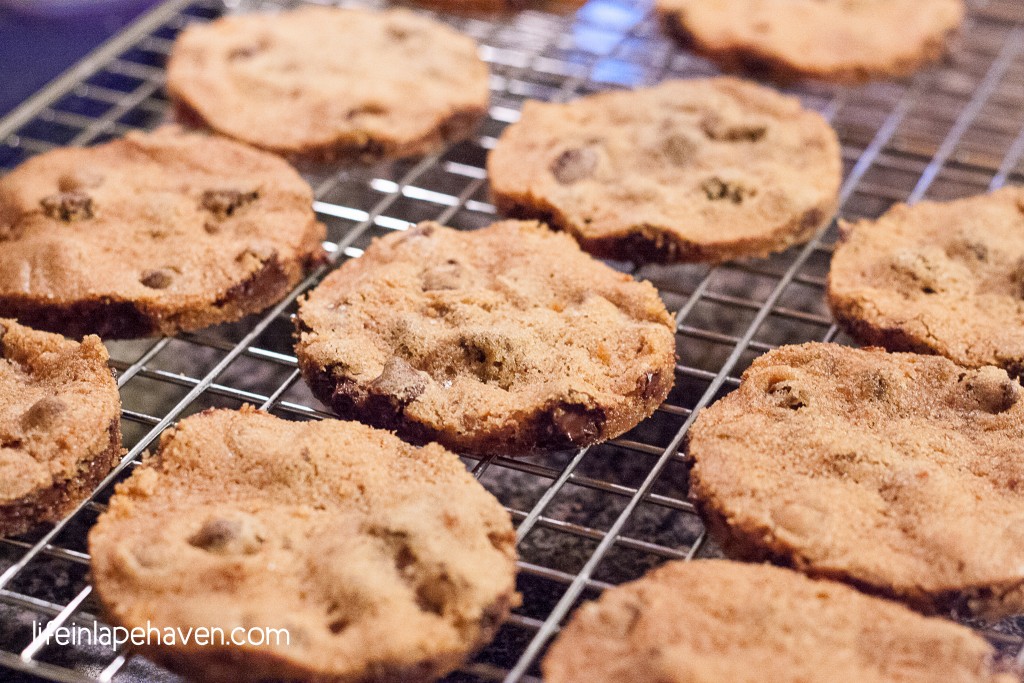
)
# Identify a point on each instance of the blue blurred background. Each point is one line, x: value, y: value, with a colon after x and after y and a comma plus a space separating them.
x: 39, y: 39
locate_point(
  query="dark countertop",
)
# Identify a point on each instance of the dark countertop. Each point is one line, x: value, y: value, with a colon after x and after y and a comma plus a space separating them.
x: 36, y: 49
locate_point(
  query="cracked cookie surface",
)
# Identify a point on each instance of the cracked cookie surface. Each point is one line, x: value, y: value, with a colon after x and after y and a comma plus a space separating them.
x: 714, y: 620
x: 849, y: 41
x: 60, y: 429
x: 899, y: 473
x: 695, y: 170
x: 507, y: 339
x: 383, y: 561
x: 153, y: 233
x: 403, y: 84
x: 945, y: 278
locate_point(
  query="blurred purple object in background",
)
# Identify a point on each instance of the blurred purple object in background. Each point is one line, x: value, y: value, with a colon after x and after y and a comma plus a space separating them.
x: 39, y: 39
x: 68, y: 8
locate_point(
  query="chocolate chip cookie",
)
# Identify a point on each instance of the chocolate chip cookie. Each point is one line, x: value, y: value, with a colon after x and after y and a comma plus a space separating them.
x: 153, y: 233
x: 849, y: 41
x: 714, y: 620
x: 899, y: 473
x: 699, y: 170
x: 944, y: 278
x: 507, y: 340
x: 60, y: 428
x: 381, y: 560
x: 324, y: 83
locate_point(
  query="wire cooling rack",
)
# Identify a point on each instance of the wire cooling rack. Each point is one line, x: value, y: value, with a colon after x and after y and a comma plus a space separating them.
x: 586, y: 520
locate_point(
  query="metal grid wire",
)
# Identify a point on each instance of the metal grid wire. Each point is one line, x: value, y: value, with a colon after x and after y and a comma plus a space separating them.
x: 589, y: 519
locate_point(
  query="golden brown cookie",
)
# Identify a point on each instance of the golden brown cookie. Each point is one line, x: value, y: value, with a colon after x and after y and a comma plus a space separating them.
x: 153, y: 233
x: 712, y: 621
x: 899, y: 473
x: 698, y: 170
x: 325, y: 83
x: 849, y: 41
x: 507, y: 339
x: 944, y: 278
x: 382, y: 561
x: 60, y: 427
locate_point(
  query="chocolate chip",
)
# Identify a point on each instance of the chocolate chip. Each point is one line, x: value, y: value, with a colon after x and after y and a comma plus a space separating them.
x: 400, y: 380
x: 979, y: 250
x: 220, y: 535
x: 79, y: 180
x: 445, y: 276
x: 788, y: 394
x: 261, y: 253
x: 68, y: 206
x: 680, y: 150
x: 224, y: 203
x: 717, y: 189
x: 717, y: 129
x: 577, y: 423
x: 249, y: 51
x: 653, y: 385
x: 370, y: 109
x: 398, y: 32
x: 424, y: 229
x: 44, y: 413
x: 573, y: 165
x: 157, y: 279
x: 990, y: 389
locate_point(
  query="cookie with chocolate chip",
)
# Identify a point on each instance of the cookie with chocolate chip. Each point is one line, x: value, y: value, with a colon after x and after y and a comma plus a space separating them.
x: 898, y: 473
x: 849, y: 41
x: 506, y: 340
x: 152, y: 234
x: 371, y: 559
x: 60, y: 429
x: 715, y: 620
x: 402, y: 85
x: 944, y: 278
x: 698, y: 170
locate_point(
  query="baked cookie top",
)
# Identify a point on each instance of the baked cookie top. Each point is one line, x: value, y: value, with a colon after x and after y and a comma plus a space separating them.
x: 936, y: 277
x: 383, y: 561
x: 899, y: 473
x: 694, y: 170
x: 59, y: 409
x: 849, y: 41
x: 326, y: 82
x: 151, y: 233
x: 507, y: 339
x: 714, y: 620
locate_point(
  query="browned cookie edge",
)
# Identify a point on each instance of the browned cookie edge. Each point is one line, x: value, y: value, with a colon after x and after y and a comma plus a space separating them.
x: 557, y: 425
x: 457, y: 126
x: 115, y: 318
x: 217, y: 664
x: 53, y: 503
x: 655, y: 244
x: 755, y: 544
x: 749, y: 59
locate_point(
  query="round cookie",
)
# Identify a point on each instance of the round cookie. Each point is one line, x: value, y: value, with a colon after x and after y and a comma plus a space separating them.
x: 153, y: 233
x: 898, y: 473
x: 697, y: 170
x: 506, y: 340
x: 848, y: 41
x: 383, y: 561
x: 935, y: 277
x: 324, y: 83
x: 60, y: 427
x: 714, y: 620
